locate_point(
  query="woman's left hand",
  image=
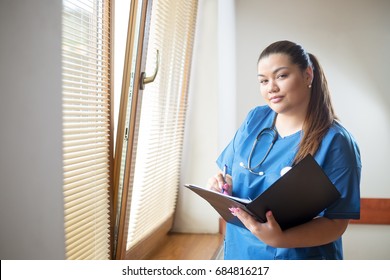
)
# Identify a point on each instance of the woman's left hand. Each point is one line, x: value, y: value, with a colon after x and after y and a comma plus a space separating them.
x: 268, y: 232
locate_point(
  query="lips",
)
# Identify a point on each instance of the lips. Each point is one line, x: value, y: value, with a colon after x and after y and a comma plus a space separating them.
x: 276, y: 99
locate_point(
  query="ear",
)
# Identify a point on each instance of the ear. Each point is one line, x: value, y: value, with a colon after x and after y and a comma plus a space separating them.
x: 309, y: 75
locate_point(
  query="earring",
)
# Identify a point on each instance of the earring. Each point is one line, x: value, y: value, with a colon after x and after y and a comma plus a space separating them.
x: 309, y: 86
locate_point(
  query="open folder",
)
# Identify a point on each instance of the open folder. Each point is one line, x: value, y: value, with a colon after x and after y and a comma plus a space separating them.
x: 295, y: 198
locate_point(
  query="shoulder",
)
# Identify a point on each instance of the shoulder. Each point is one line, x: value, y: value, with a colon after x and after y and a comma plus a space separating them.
x: 257, y: 119
x: 259, y: 114
x: 339, y: 147
x: 338, y: 134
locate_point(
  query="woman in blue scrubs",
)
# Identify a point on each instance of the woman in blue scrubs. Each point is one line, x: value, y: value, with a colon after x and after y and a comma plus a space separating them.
x: 300, y: 116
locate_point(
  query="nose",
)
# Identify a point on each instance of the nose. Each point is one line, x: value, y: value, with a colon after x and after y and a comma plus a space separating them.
x: 272, y: 86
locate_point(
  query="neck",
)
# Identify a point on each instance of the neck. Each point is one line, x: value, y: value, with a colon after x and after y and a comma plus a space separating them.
x: 287, y: 125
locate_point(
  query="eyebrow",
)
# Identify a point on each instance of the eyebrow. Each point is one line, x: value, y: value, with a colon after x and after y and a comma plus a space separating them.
x: 275, y: 71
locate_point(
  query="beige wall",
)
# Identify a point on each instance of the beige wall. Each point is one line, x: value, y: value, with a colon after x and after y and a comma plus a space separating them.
x: 31, y: 198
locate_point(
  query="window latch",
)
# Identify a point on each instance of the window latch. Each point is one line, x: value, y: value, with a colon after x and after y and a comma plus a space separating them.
x: 146, y: 80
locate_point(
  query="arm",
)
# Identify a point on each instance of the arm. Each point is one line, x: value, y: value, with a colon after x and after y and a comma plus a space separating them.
x: 317, y: 232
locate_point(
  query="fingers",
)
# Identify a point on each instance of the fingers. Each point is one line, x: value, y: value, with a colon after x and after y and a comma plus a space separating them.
x: 271, y: 219
x: 269, y: 232
x: 213, y: 184
x: 220, y: 179
x: 249, y: 221
x: 225, y: 183
x: 225, y: 189
x: 218, y: 184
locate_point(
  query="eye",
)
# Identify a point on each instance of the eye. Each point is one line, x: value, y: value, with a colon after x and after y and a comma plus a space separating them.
x: 282, y: 76
x: 263, y: 81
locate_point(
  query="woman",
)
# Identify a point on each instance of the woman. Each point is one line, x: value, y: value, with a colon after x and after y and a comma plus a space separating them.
x: 300, y: 111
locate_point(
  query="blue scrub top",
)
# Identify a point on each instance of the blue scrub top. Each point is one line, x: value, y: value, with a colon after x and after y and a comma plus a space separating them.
x: 339, y: 157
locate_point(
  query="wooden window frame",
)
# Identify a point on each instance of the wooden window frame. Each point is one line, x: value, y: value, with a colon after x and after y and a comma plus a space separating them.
x: 122, y: 205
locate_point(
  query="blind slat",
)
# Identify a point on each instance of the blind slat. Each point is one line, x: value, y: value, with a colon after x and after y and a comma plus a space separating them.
x: 75, y: 220
x: 77, y: 187
x: 85, y: 131
x: 84, y: 139
x: 86, y: 54
x: 86, y: 174
x: 85, y: 198
x: 82, y: 225
x: 88, y: 158
x: 73, y: 212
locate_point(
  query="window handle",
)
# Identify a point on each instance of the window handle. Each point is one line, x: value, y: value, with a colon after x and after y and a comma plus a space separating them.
x: 146, y: 80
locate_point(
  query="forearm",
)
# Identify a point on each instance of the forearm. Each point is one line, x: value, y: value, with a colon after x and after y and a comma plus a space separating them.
x: 317, y: 232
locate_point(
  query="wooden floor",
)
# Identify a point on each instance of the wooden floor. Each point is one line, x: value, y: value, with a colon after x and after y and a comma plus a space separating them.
x: 181, y: 246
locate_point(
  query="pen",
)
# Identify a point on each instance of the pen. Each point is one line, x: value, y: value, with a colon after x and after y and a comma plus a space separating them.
x: 224, y: 178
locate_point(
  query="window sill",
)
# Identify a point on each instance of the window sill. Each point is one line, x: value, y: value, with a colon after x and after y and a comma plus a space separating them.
x: 183, y: 246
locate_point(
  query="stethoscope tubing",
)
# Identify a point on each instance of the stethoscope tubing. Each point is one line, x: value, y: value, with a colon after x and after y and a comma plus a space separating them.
x: 268, y: 130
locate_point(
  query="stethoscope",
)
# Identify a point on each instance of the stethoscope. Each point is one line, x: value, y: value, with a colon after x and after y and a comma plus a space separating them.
x: 274, y: 134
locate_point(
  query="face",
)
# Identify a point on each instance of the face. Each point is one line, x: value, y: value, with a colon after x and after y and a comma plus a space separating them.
x: 283, y: 85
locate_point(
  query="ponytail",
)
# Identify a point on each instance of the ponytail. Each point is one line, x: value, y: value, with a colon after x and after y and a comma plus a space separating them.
x: 320, y: 113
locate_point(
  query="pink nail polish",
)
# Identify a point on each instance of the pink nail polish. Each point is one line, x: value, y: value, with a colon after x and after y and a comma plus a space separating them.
x: 234, y: 211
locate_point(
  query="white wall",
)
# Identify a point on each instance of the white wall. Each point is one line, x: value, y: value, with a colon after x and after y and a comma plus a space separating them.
x: 351, y: 40
x: 201, y: 145
x: 31, y: 202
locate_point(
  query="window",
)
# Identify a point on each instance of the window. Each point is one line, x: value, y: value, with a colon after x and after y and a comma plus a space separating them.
x: 153, y: 169
x: 86, y: 128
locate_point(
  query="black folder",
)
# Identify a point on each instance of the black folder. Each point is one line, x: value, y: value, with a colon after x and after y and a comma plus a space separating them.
x: 295, y: 198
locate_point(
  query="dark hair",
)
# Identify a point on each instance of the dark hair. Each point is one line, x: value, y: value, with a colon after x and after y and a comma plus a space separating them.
x: 320, y: 114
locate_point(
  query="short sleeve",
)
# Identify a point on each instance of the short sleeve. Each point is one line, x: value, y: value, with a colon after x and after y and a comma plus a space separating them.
x: 339, y: 156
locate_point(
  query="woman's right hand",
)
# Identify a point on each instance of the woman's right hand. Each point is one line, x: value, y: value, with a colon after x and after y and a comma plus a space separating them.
x: 218, y: 184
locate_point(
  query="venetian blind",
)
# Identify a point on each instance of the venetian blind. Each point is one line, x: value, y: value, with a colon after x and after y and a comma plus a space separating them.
x: 86, y: 127
x: 164, y: 104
